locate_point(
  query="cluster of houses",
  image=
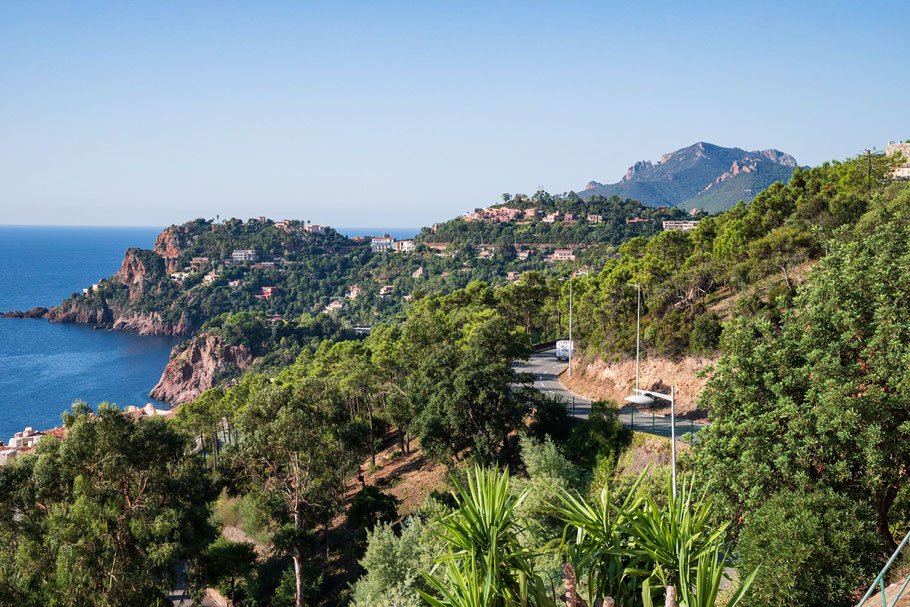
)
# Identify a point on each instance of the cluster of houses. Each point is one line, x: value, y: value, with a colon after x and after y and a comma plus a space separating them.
x: 250, y: 256
x: 499, y: 214
x: 24, y: 442
x: 560, y: 255
x: 285, y: 225
x: 507, y: 215
x: 382, y: 244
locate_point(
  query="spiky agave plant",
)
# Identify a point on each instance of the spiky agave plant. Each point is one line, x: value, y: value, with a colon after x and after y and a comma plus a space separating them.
x: 487, y: 564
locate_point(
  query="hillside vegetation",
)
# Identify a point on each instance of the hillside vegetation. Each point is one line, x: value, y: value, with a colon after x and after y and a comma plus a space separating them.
x: 800, y: 482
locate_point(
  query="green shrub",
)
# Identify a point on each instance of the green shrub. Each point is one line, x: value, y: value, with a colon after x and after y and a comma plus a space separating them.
x: 606, y: 430
x: 813, y: 549
x: 371, y: 507
x: 705, y: 336
x: 551, y: 418
x: 393, y: 564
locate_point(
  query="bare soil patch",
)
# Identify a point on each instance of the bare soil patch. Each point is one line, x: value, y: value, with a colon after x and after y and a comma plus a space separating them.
x: 596, y: 379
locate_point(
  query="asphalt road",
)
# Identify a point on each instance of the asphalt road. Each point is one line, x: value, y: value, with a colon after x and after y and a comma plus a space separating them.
x: 546, y: 369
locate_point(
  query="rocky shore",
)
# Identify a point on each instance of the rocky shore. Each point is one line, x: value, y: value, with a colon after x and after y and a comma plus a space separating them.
x: 36, y: 312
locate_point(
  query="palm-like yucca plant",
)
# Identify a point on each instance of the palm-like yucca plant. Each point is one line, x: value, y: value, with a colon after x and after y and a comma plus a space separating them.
x: 675, y: 537
x: 635, y: 550
x: 486, y: 558
x: 699, y: 586
x: 461, y: 587
x: 683, y: 548
x: 600, y: 549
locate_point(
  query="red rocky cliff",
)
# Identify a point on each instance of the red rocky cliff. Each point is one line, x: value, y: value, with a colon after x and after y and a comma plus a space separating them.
x: 195, y: 368
x: 167, y: 245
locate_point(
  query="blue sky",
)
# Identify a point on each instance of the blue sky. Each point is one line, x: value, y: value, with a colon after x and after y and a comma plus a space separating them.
x: 398, y: 114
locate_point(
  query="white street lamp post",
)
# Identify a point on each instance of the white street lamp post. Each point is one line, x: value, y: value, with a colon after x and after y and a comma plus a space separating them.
x: 646, y: 397
x: 572, y: 348
x: 637, y: 332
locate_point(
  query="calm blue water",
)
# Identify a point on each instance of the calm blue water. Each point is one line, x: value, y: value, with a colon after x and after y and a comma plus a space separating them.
x: 398, y: 233
x: 44, y: 367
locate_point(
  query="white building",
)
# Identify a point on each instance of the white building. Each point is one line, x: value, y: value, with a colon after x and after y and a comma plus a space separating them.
x: 902, y: 171
x: 405, y: 246
x: 380, y: 244
x: 244, y: 255
x: 681, y: 226
x: 334, y: 307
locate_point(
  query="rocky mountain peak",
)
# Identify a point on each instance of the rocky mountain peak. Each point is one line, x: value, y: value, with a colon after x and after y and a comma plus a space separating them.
x: 635, y: 169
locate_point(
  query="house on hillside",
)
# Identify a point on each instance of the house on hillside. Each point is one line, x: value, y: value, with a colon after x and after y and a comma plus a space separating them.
x: 334, y: 307
x: 405, y: 246
x: 241, y: 255
x: 266, y: 293
x: 902, y: 171
x: 380, y: 244
x: 680, y: 226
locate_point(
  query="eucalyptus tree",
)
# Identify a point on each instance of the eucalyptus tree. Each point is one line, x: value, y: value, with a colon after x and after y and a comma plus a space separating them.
x: 287, y: 453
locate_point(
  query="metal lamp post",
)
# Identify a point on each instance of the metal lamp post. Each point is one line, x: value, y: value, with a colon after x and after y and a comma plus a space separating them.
x: 646, y: 397
x: 637, y: 331
x: 572, y: 350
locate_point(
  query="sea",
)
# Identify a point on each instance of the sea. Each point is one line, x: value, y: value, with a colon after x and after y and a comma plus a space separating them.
x: 45, y: 367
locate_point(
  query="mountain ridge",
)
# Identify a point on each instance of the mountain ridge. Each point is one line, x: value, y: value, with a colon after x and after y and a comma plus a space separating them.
x: 703, y: 175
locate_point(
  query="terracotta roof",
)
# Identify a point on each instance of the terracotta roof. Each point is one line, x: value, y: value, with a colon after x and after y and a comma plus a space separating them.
x: 58, y: 433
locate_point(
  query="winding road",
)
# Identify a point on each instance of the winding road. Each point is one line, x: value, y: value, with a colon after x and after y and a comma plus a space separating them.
x: 546, y: 369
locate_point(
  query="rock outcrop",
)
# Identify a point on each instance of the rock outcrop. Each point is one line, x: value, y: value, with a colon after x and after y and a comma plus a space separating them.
x: 84, y: 313
x: 196, y: 366
x: 36, y: 312
x: 635, y: 169
x: 167, y: 245
x: 149, y: 324
x: 140, y: 270
x: 105, y: 317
